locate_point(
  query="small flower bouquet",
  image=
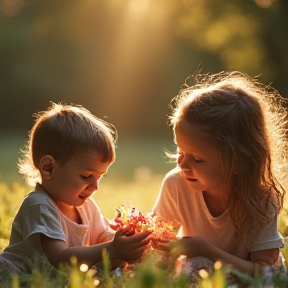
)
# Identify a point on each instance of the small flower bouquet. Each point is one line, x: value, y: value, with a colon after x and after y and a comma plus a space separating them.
x: 137, y: 221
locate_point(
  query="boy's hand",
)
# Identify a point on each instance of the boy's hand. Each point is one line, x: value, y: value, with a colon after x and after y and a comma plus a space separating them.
x: 126, y: 246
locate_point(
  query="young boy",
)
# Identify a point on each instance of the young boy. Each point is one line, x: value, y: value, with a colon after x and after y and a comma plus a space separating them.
x: 67, y: 153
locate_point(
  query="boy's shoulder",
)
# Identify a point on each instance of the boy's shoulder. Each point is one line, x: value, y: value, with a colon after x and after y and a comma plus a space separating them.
x: 37, y: 197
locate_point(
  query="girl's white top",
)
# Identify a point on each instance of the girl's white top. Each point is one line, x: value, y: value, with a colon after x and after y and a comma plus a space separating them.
x: 176, y: 202
x: 39, y: 214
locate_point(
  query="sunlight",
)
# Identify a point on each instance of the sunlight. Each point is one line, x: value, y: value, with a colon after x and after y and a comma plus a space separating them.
x: 134, y: 56
x: 203, y: 274
x: 192, y: 3
x: 139, y: 7
x: 264, y: 3
x: 84, y: 268
x: 218, y: 265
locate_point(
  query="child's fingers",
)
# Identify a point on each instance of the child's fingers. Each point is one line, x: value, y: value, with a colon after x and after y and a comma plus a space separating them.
x: 122, y: 232
x: 157, y: 241
x: 143, y: 243
x: 140, y: 236
x: 164, y: 246
x: 130, y: 232
x: 138, y: 253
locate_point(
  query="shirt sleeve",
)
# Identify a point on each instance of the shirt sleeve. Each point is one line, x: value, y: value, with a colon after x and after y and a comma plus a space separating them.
x: 267, y: 237
x: 42, y: 217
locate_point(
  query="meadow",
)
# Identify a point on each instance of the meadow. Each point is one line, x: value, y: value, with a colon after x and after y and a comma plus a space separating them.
x: 133, y: 180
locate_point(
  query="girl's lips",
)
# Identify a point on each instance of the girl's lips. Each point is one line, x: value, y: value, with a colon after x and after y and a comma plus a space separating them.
x: 190, y: 179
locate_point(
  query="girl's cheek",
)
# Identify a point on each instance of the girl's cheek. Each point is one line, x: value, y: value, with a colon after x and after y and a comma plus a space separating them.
x: 179, y: 159
x: 182, y: 162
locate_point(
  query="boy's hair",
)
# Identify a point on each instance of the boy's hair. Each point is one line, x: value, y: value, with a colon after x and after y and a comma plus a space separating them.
x: 65, y: 132
x: 247, y: 123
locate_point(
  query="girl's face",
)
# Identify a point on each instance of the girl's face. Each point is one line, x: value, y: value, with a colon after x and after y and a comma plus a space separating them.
x: 76, y: 180
x: 199, y: 162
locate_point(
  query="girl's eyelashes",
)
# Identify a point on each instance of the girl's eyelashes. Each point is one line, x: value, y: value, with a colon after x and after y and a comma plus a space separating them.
x: 179, y: 151
x: 196, y: 160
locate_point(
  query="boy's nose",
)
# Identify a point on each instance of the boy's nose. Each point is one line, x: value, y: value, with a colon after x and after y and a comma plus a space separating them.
x: 94, y: 184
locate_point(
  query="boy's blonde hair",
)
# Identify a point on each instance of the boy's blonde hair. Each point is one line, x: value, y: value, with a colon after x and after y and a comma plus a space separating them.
x: 247, y: 123
x: 65, y: 132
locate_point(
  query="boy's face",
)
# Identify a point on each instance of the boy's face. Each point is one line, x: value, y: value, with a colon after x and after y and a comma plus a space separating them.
x: 76, y: 180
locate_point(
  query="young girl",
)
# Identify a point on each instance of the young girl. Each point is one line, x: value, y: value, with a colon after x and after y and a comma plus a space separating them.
x: 68, y: 151
x: 228, y: 186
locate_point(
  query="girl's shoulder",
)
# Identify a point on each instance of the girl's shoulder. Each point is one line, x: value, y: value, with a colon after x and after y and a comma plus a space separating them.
x: 174, y: 174
x: 175, y: 182
x: 269, y: 202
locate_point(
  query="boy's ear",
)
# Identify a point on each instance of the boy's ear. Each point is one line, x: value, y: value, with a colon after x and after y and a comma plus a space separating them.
x: 46, y: 167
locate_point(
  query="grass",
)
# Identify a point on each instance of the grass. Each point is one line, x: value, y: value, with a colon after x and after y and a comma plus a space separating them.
x: 152, y: 272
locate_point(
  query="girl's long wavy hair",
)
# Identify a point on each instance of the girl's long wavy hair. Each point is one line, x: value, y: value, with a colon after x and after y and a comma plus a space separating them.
x: 247, y: 123
x: 64, y: 132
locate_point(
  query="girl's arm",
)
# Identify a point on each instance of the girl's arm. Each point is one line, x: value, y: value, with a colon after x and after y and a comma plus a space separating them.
x: 121, y: 247
x: 197, y: 246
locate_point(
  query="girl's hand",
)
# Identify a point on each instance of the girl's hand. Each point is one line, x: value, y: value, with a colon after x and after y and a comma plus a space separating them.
x: 159, y: 244
x: 189, y: 246
x: 127, y: 246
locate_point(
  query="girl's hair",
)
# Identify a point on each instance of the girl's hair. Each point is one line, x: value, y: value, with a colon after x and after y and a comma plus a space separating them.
x: 65, y: 132
x: 247, y: 123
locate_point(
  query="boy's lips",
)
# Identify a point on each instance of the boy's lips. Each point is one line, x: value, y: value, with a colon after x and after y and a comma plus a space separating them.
x: 84, y: 196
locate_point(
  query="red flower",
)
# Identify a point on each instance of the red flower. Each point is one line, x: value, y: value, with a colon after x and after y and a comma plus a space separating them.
x: 138, y: 222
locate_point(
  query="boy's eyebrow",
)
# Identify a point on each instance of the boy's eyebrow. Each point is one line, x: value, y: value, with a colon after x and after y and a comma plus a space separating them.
x: 93, y: 170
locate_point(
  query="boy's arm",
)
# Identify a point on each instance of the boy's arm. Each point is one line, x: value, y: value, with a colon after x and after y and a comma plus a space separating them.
x: 121, y: 247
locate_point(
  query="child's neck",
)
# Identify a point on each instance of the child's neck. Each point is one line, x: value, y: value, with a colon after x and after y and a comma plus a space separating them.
x: 69, y: 211
x: 215, y: 204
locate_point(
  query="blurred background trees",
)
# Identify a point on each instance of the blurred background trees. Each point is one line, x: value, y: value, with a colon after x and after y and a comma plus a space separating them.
x: 126, y: 59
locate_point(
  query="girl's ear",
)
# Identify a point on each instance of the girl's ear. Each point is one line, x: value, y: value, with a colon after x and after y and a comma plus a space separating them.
x: 46, y: 167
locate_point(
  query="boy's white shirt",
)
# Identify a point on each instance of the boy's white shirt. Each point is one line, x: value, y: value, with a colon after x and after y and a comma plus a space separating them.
x: 176, y: 202
x: 39, y: 214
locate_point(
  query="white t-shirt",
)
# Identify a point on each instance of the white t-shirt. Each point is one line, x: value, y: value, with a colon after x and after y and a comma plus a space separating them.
x: 176, y: 202
x: 39, y: 214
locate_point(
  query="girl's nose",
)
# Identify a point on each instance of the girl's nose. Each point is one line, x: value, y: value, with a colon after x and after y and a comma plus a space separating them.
x: 182, y: 163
